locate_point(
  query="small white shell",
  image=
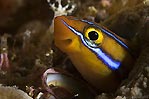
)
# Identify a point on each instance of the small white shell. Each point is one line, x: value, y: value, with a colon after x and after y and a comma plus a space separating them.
x: 56, y: 81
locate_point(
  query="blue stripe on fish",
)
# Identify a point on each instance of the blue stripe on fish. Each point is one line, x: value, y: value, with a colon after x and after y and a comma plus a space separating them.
x: 106, y: 59
x: 108, y: 33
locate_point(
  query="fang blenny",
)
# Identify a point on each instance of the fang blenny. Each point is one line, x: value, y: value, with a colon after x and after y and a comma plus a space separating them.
x: 101, y: 56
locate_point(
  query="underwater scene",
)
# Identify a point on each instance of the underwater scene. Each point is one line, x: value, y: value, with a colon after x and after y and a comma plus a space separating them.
x: 74, y: 49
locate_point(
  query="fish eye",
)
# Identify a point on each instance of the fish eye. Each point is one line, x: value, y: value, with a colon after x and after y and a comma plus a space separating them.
x: 94, y: 35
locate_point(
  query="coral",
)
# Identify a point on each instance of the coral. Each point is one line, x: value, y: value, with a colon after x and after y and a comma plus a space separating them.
x: 60, y: 7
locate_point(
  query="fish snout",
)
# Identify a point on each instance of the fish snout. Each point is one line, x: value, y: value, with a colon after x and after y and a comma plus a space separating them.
x: 64, y: 38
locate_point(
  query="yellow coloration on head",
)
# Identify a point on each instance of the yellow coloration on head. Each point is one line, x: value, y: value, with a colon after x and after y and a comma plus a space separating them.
x: 91, y: 67
x: 89, y: 32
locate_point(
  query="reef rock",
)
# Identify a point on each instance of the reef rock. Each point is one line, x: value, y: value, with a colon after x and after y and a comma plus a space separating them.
x: 12, y: 93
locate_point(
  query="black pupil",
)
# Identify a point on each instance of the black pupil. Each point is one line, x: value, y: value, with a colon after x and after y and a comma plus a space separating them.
x: 93, y: 35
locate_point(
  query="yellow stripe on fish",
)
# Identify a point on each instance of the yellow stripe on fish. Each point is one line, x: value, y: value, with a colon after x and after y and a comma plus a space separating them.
x: 97, y: 53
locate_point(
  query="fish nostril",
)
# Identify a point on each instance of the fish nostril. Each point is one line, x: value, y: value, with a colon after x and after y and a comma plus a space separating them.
x: 67, y: 41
